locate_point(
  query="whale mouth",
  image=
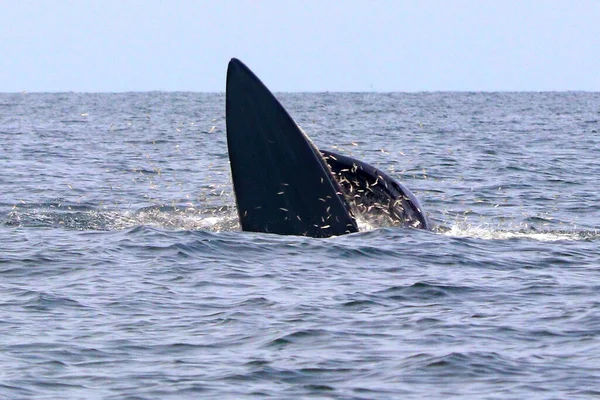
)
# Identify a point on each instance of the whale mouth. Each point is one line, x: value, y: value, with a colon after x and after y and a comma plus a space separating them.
x: 281, y: 180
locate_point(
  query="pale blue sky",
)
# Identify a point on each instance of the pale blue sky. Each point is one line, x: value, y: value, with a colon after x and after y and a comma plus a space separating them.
x: 303, y: 45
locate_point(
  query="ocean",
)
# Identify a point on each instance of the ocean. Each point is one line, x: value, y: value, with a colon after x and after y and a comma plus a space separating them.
x: 124, y: 273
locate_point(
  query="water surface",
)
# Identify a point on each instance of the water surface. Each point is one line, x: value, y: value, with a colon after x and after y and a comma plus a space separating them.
x: 123, y: 273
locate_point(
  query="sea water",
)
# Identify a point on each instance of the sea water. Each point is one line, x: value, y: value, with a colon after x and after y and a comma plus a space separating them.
x: 124, y: 273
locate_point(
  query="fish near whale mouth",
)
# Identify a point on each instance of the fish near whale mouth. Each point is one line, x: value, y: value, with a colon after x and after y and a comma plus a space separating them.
x: 374, y: 195
x: 282, y: 182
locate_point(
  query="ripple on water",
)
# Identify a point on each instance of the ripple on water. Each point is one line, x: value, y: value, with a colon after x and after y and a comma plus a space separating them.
x: 123, y: 273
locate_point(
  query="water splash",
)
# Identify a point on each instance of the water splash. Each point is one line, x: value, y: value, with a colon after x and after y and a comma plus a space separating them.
x: 165, y: 217
x: 489, y: 232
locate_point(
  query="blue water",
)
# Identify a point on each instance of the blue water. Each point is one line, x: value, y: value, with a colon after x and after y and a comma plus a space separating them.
x: 123, y: 273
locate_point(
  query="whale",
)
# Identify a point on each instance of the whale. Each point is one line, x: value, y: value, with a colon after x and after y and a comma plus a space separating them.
x: 283, y: 184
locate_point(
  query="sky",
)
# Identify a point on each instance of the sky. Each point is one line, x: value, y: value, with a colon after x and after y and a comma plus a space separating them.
x: 300, y: 45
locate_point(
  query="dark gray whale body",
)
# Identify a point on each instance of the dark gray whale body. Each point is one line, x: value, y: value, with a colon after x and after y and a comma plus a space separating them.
x: 283, y: 184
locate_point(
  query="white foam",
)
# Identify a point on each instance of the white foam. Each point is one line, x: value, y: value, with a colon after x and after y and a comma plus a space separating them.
x: 491, y: 233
